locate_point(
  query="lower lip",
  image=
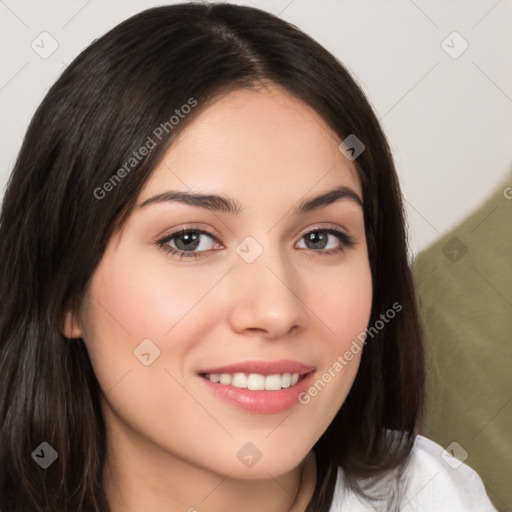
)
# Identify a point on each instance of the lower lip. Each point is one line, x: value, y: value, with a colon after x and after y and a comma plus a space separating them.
x: 261, y: 402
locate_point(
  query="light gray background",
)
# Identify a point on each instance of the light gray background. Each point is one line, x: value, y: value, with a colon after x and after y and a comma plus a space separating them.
x: 448, y: 119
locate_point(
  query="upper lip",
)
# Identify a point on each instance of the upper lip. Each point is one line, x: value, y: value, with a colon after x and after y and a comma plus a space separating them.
x: 262, y: 367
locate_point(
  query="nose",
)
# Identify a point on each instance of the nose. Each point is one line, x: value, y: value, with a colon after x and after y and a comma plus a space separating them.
x: 265, y: 297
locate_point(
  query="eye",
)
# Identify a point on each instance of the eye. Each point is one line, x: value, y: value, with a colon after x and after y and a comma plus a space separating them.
x: 192, y: 243
x: 187, y: 242
x: 326, y: 241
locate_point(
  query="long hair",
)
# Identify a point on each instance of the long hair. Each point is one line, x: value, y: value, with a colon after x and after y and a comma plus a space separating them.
x: 55, y: 225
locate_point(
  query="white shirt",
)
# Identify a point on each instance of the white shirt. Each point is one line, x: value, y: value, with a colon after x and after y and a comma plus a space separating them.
x: 435, y: 484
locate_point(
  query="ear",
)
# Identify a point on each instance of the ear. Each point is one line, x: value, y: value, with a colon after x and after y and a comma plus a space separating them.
x: 71, y: 328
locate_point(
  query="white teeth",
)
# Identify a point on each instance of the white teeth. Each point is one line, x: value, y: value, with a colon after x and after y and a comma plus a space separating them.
x: 239, y: 380
x: 255, y: 381
x: 286, y: 380
x: 225, y: 378
x: 273, y: 382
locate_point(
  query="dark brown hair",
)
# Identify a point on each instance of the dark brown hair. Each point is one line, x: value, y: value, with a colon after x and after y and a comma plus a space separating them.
x: 54, y: 230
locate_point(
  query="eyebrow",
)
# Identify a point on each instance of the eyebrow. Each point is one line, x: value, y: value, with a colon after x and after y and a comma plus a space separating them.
x: 220, y: 203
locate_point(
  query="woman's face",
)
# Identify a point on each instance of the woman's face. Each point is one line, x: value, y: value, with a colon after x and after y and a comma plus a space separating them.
x: 266, y: 283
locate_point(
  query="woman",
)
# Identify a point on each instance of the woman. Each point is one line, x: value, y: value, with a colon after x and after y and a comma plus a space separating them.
x: 206, y: 302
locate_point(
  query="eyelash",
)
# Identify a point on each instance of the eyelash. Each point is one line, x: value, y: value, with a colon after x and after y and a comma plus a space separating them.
x: 346, y: 242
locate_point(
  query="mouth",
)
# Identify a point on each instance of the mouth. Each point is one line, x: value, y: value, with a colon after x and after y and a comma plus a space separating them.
x: 262, y: 387
x: 255, y: 381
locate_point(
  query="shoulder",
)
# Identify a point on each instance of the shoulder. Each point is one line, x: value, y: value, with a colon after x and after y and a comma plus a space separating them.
x: 434, y: 481
x: 438, y: 480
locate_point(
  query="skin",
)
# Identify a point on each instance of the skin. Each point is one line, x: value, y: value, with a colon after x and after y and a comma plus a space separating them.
x: 172, y: 444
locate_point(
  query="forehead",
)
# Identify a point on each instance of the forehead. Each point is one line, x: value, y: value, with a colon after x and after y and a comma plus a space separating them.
x: 254, y: 142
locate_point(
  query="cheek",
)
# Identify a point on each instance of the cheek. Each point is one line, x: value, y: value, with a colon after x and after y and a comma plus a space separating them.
x: 143, y: 300
x: 134, y: 300
x: 342, y: 300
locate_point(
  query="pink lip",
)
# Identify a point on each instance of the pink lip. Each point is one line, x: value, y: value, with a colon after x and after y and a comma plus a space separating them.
x: 262, y: 367
x: 262, y: 402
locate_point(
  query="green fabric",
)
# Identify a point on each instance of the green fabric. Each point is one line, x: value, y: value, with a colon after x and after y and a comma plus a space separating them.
x: 464, y: 284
